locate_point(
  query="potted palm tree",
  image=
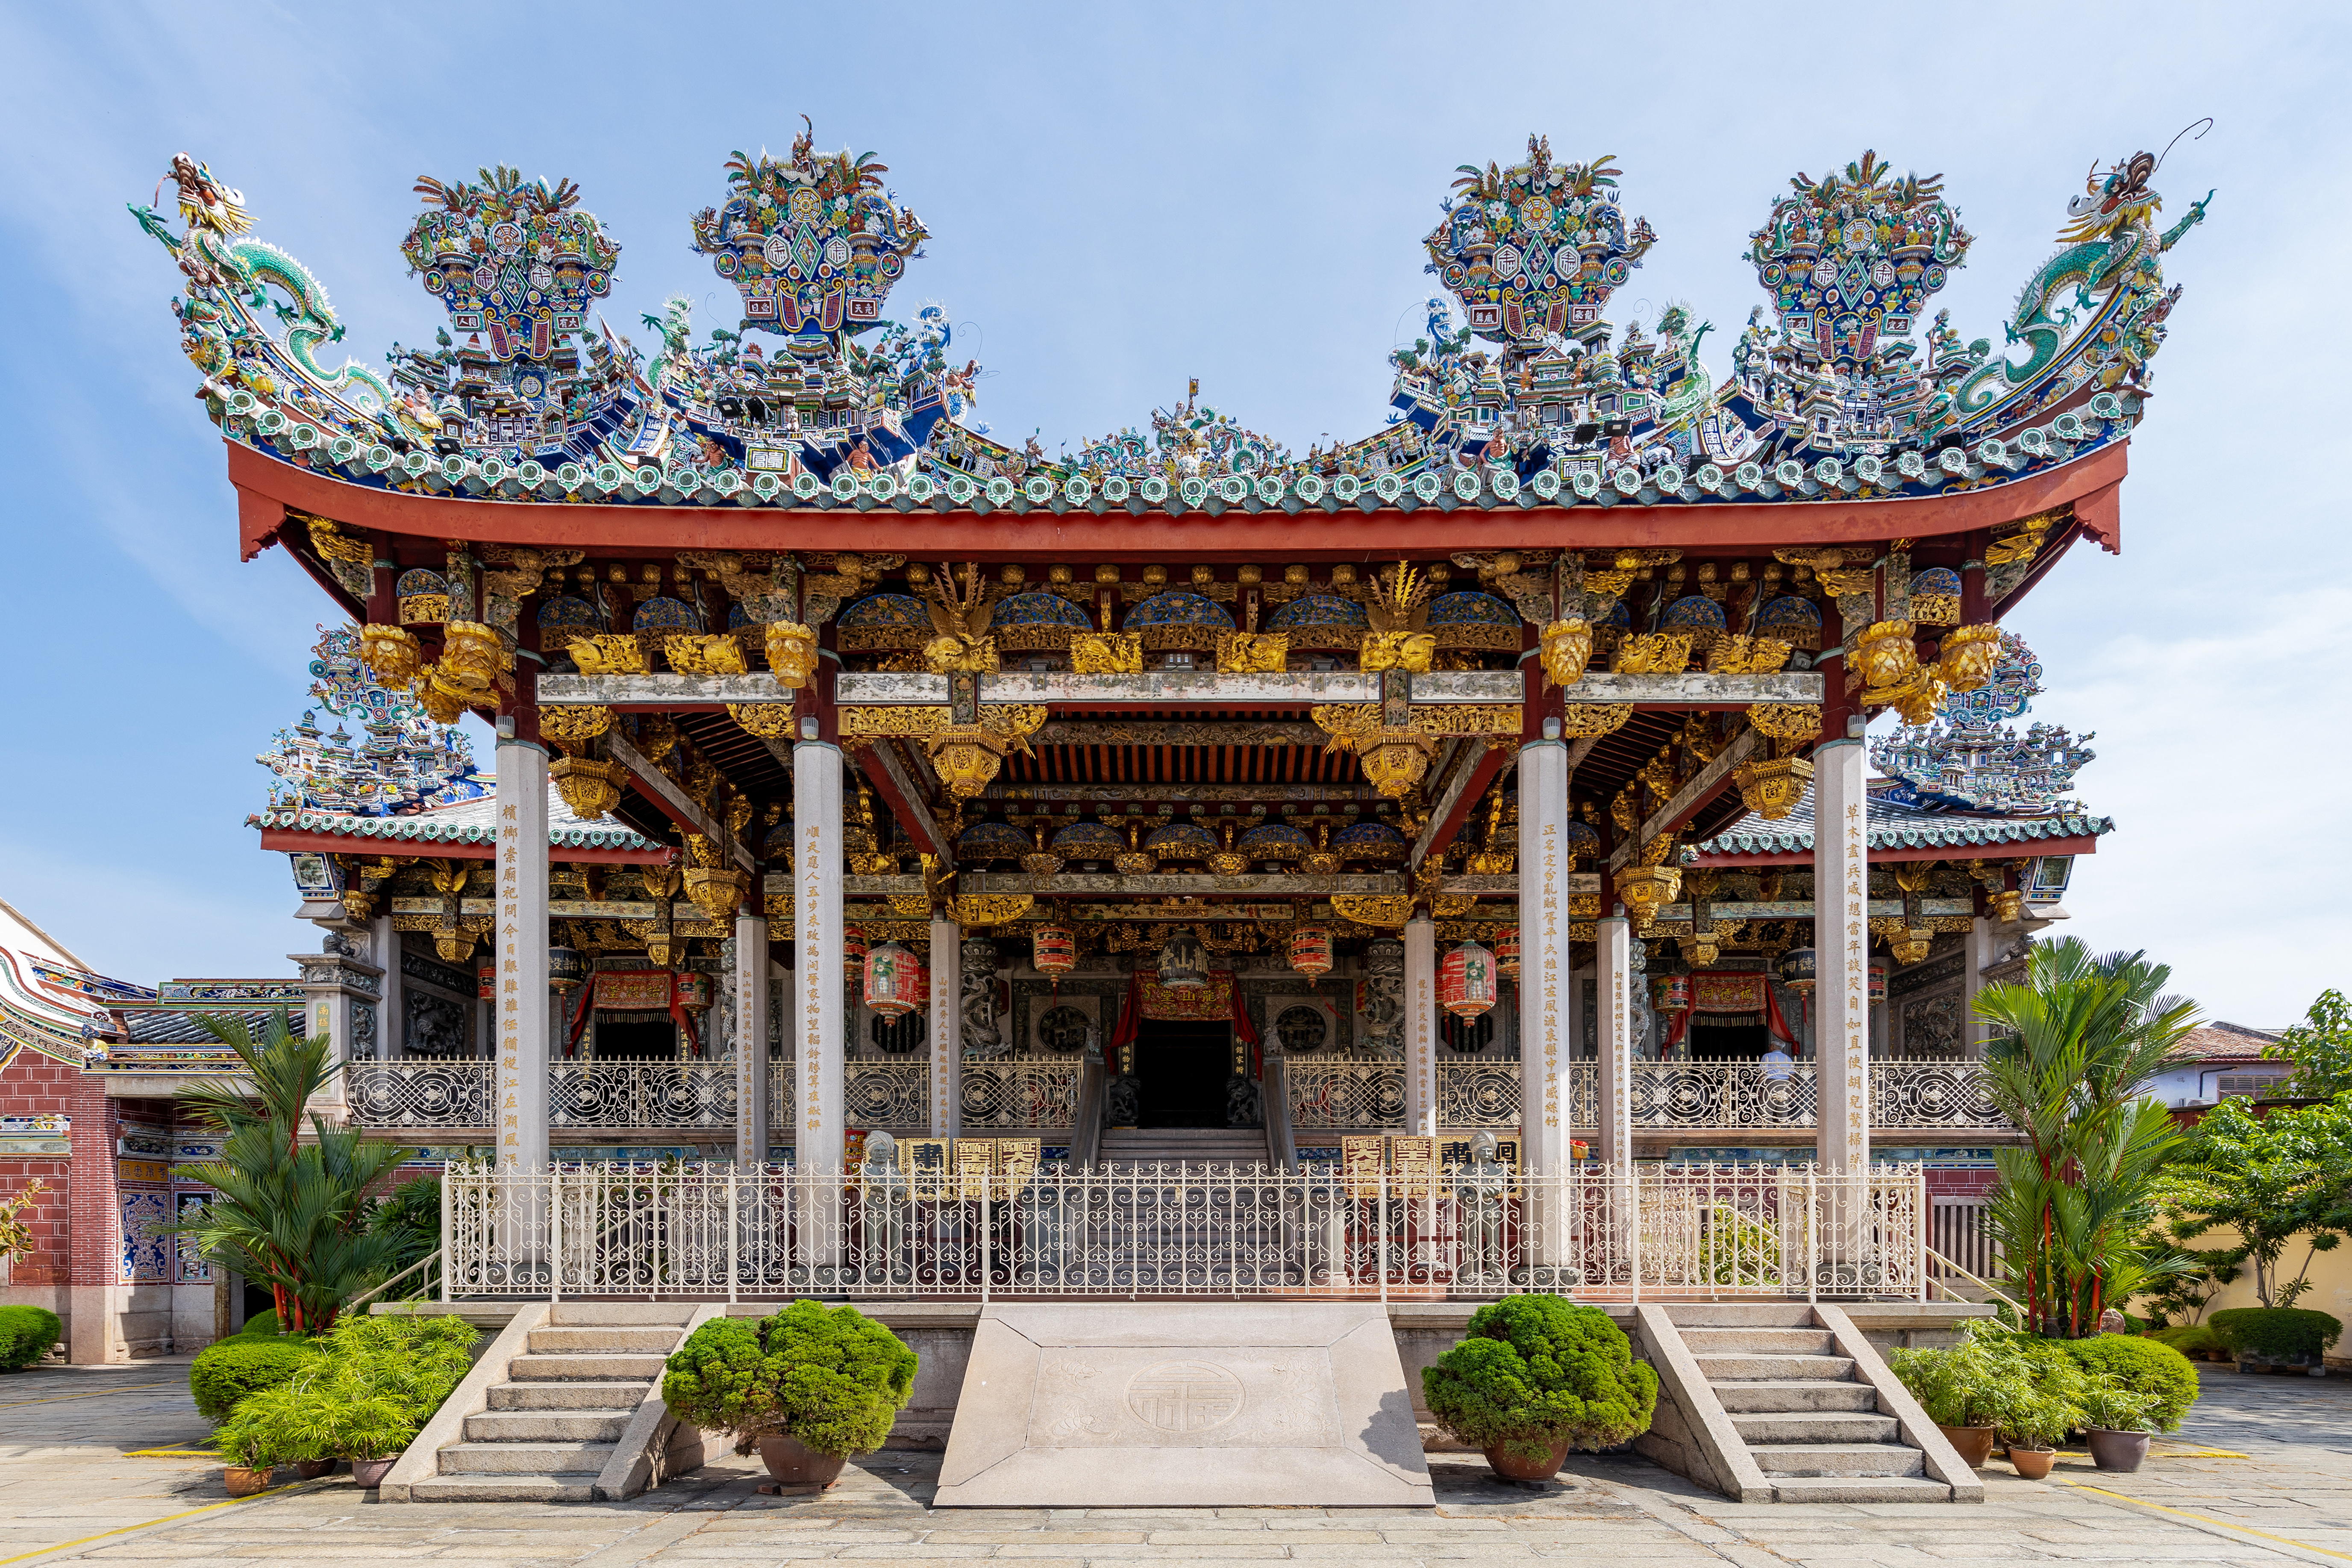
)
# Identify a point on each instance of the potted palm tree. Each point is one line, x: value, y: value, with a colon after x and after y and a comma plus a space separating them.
x: 1963, y: 1388
x: 247, y: 1443
x: 2116, y: 1420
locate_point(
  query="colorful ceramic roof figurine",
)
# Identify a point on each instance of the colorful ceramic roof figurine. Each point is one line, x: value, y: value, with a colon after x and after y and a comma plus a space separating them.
x: 1968, y: 760
x: 1536, y: 393
x: 405, y: 762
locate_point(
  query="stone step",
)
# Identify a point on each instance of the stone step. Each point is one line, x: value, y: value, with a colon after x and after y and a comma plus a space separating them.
x: 1777, y: 1368
x: 589, y: 1314
x: 1759, y: 1342
x: 1688, y: 1315
x: 585, y: 1366
x: 621, y: 1395
x: 1859, y: 1488
x: 1843, y: 1459
x: 525, y: 1459
x: 657, y: 1339
x: 573, y: 1487
x: 1803, y: 1426
x: 548, y: 1425
x: 1766, y: 1396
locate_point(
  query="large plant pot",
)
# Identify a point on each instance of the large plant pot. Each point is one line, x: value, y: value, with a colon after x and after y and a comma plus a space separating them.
x: 369, y: 1473
x: 242, y: 1482
x: 312, y: 1470
x: 2032, y: 1464
x: 794, y: 1464
x: 2118, y: 1452
x: 1513, y: 1467
x: 1974, y: 1443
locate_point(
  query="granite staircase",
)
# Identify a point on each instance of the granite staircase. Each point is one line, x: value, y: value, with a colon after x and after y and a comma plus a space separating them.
x: 1243, y: 1147
x: 556, y: 1419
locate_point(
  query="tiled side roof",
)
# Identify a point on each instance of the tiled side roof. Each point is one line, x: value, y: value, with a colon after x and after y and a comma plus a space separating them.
x: 2224, y: 1042
x: 466, y: 822
x: 1895, y: 826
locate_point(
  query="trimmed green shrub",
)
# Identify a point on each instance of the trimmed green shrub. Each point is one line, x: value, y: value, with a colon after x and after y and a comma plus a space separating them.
x: 2146, y: 1368
x: 1996, y: 1377
x: 2277, y: 1333
x: 264, y: 1326
x: 224, y: 1373
x: 834, y: 1378
x: 2191, y: 1340
x: 25, y: 1336
x: 375, y: 1381
x: 1535, y: 1369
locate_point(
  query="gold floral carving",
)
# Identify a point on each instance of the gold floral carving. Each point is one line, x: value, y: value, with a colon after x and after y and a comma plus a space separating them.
x: 989, y: 908
x: 769, y: 721
x: 864, y: 724
x: 609, y: 653
x: 1785, y: 721
x: 442, y: 700
x: 1646, y: 889
x: 1106, y: 653
x: 1565, y: 648
x: 574, y: 727
x: 792, y: 654
x: 719, y: 654
x: 1253, y: 653
x: 1655, y: 654
x: 1884, y: 653
x: 960, y: 655
x: 392, y: 653
x: 715, y: 890
x: 1388, y: 910
x: 1747, y: 656
x: 473, y: 655
x: 967, y: 757
x: 1967, y: 659
x: 1468, y: 718
x: 1771, y: 787
x: 910, y: 904
x: 1595, y: 718
x: 1408, y: 651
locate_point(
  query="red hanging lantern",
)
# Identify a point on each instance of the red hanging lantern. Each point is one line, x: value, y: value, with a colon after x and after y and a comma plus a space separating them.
x: 693, y: 989
x: 1506, y: 952
x: 853, y: 952
x: 1672, y: 993
x: 1877, y: 980
x: 894, y: 981
x: 1465, y: 981
x: 1310, y: 952
x: 1053, y: 952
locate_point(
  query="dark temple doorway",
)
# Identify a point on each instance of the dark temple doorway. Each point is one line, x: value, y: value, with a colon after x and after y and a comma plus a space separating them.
x: 1183, y: 1066
x: 637, y: 1041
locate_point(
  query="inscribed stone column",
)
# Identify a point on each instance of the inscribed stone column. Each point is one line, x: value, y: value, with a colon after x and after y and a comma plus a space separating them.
x: 1613, y: 1002
x: 751, y: 1039
x: 521, y: 1012
x: 1546, y: 1016
x: 945, y: 1024
x: 1421, y: 1027
x: 1842, y: 949
x: 1976, y: 952
x: 383, y: 948
x: 817, y: 954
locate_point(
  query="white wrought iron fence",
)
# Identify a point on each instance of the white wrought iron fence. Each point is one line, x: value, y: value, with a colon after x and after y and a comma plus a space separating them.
x: 713, y: 1231
x: 1018, y: 1091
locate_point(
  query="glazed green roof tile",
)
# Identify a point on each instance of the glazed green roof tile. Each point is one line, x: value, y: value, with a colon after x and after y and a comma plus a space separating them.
x: 468, y: 822
x: 1891, y: 825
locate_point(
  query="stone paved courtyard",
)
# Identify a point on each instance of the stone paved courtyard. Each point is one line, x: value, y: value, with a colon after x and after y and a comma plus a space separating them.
x: 2263, y: 1473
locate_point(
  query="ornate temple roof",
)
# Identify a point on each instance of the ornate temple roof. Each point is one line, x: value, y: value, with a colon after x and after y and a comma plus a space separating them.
x: 473, y: 822
x: 1894, y: 826
x: 47, y: 997
x: 1529, y: 396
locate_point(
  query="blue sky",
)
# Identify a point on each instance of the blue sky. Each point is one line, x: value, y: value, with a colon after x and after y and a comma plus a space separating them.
x: 1124, y: 197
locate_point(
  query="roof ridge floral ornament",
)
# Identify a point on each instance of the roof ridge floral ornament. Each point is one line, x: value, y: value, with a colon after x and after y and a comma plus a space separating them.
x: 518, y: 260
x: 1534, y: 251
x: 1847, y: 259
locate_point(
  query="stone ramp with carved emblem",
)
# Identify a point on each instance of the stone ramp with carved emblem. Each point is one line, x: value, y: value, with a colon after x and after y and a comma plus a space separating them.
x: 1190, y: 1404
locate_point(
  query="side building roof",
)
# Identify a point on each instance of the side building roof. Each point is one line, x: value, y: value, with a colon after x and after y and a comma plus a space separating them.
x: 1894, y: 828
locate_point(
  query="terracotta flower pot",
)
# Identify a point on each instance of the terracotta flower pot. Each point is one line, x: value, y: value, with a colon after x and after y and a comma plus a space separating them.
x: 312, y: 1470
x: 1974, y: 1443
x: 794, y: 1463
x: 1513, y: 1467
x: 2032, y: 1464
x: 369, y: 1473
x: 243, y: 1482
x: 2118, y: 1452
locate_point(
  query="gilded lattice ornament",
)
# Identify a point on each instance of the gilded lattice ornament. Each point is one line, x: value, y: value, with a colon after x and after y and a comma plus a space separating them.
x: 715, y: 890
x: 1106, y: 653
x: 779, y: 906
x: 1252, y: 653
x: 769, y: 721
x: 1655, y: 654
x: 590, y: 788
x: 1884, y: 653
x: 1968, y: 657
x: 989, y: 908
x: 1595, y: 718
x: 718, y: 654
x: 1395, y: 759
x: 1771, y: 787
x: 609, y: 653
x: 1785, y: 721
x: 392, y: 652
x: 910, y: 903
x: 1740, y: 655
x: 1582, y: 930
x: 1386, y: 911
x: 571, y: 726
x: 865, y: 723
x: 1646, y: 889
x: 1468, y: 718
x: 1565, y: 648
x: 792, y: 654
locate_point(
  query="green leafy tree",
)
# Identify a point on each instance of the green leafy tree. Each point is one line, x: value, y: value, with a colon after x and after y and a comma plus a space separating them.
x: 2277, y: 1178
x: 289, y: 1215
x: 2072, y: 1208
x: 1534, y: 1370
x: 832, y: 1377
x: 2320, y: 1046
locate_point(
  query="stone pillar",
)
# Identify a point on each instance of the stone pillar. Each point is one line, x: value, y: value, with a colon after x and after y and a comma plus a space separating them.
x: 1421, y: 1027
x: 519, y: 1013
x: 818, y: 1031
x: 383, y: 948
x: 343, y: 1003
x: 1547, y: 1016
x: 1841, y: 950
x: 1613, y: 1000
x: 751, y: 1039
x: 945, y: 1024
x: 1976, y: 953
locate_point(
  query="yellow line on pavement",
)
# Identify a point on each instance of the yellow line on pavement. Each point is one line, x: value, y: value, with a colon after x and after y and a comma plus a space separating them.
x: 2205, y: 1519
x: 169, y: 1454
x: 97, y: 1393
x: 150, y: 1524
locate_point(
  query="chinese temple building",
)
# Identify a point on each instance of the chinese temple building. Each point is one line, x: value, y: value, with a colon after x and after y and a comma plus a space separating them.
x: 1178, y: 796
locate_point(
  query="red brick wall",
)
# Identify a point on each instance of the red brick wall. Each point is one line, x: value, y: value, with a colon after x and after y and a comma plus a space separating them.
x: 32, y: 1085
x: 97, y: 1218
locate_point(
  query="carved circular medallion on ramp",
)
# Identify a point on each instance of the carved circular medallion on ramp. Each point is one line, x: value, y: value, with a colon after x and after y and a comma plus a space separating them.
x: 1184, y: 1396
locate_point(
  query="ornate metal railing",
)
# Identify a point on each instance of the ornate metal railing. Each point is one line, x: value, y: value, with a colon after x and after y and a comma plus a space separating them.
x: 895, y: 1095
x: 641, y: 1095
x: 427, y: 1092
x: 1337, y: 1094
x: 1013, y: 1093
x: 1478, y: 1094
x: 724, y: 1231
x: 1933, y: 1096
